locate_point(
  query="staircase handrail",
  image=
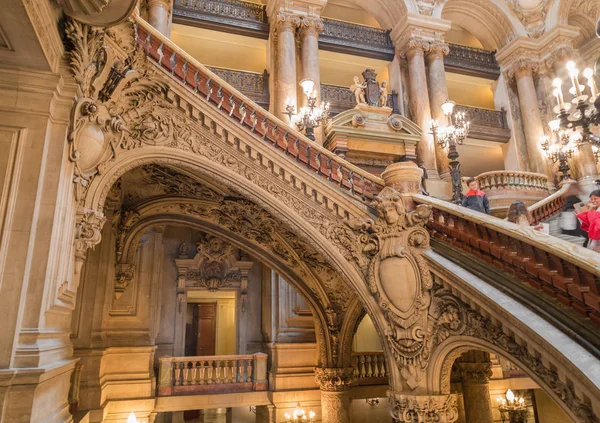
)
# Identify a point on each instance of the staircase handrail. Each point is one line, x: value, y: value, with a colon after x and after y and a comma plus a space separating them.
x: 550, y: 205
x: 581, y: 257
x: 196, y: 77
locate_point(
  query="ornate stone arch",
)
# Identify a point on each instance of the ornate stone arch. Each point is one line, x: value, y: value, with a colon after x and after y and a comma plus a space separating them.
x: 490, y: 21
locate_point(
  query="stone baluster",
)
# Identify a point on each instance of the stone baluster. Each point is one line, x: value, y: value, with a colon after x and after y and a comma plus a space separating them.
x: 419, y: 102
x: 160, y: 15
x: 424, y: 408
x: 475, y: 371
x: 335, y: 399
x: 285, y: 62
x: 530, y: 115
x: 310, y: 28
x: 438, y: 95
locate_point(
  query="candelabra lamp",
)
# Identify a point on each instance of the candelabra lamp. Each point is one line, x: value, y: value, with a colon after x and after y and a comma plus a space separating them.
x: 560, y: 150
x: 512, y: 409
x: 450, y: 136
x: 583, y: 111
x: 311, y: 115
x: 300, y: 416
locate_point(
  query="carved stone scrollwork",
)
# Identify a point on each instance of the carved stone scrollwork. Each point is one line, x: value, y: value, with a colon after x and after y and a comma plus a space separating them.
x: 523, y: 67
x: 88, y: 233
x: 334, y: 379
x: 474, y: 372
x: 311, y: 24
x: 438, y: 48
x: 287, y: 21
x: 419, y: 313
x: 423, y: 409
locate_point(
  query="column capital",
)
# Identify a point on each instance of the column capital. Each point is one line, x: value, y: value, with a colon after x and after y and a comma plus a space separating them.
x: 524, y: 66
x: 416, y: 30
x: 423, y: 408
x: 437, y: 49
x: 334, y: 379
x: 479, y: 373
x: 415, y: 46
x: 311, y: 25
x: 286, y: 21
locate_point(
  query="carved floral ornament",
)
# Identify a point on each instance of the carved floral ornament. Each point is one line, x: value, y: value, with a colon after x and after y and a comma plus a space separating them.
x: 334, y: 379
x: 424, y: 409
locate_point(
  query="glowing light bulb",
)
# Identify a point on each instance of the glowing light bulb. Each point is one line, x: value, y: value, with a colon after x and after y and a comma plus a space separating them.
x: 510, y: 396
x: 132, y: 418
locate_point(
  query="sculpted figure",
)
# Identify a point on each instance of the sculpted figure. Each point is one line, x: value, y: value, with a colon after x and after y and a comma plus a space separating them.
x: 383, y: 94
x: 358, y: 88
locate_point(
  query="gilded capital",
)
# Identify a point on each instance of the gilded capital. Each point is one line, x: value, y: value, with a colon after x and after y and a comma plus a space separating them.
x: 311, y: 25
x: 423, y: 408
x: 334, y: 379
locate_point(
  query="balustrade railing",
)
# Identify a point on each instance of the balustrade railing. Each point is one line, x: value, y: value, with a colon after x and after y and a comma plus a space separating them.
x: 484, y: 117
x: 212, y: 374
x: 351, y: 38
x: 248, y: 115
x: 549, y: 206
x: 472, y: 61
x: 567, y: 272
x: 370, y: 368
x: 513, y: 180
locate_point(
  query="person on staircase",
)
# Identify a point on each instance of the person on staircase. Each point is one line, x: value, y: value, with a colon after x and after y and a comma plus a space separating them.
x: 475, y: 199
x: 568, y: 222
x: 518, y: 213
x: 589, y: 217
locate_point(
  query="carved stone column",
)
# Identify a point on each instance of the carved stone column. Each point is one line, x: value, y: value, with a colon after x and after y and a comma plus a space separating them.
x: 310, y: 27
x: 476, y: 390
x: 265, y: 414
x: 160, y: 15
x: 335, y: 398
x: 419, y: 103
x: 423, y: 408
x: 285, y: 62
x: 438, y: 95
x: 530, y: 114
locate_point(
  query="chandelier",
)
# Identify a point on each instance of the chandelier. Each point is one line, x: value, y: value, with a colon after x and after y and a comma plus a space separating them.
x: 450, y: 136
x: 300, y: 416
x: 560, y: 149
x: 309, y: 116
x: 512, y: 409
x: 583, y: 111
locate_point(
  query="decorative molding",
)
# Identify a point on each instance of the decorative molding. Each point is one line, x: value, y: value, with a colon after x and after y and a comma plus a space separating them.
x: 425, y: 408
x: 334, y: 379
x: 533, y: 19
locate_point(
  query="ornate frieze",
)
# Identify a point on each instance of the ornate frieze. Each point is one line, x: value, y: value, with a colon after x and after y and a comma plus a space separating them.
x: 334, y: 379
x: 425, y: 408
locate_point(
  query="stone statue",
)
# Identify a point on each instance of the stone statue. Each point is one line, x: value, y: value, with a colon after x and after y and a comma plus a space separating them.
x: 383, y: 94
x: 358, y: 88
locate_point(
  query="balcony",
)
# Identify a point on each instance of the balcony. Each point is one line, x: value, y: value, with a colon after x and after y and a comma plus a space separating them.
x: 212, y: 374
x: 357, y: 40
x: 472, y: 61
x: 487, y: 124
x: 252, y: 84
x: 370, y: 368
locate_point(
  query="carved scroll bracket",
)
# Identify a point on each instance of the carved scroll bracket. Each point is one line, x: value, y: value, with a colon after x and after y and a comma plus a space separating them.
x: 88, y: 234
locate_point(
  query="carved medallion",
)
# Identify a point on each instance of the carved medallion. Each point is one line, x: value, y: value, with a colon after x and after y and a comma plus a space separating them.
x: 372, y: 91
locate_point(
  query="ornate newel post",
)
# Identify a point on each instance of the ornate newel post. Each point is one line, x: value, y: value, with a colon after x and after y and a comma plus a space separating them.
x: 475, y: 372
x: 159, y: 15
x: 285, y: 63
x: 438, y: 95
x: 335, y: 399
x: 424, y: 408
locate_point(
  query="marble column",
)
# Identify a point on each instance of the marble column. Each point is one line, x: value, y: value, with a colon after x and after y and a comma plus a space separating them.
x: 285, y: 63
x: 476, y: 390
x: 533, y: 126
x: 419, y: 103
x: 159, y: 15
x: 310, y: 27
x: 438, y: 95
x: 424, y: 408
x: 335, y: 399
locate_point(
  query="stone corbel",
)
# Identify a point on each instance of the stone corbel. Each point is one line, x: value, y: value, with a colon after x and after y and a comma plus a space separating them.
x: 124, y: 274
x: 423, y: 408
x: 88, y: 234
x: 244, y: 267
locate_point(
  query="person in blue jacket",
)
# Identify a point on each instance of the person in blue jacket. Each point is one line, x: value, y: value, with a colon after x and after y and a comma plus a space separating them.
x: 475, y: 199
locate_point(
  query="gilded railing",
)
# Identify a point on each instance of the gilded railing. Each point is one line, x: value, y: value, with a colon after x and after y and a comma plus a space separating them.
x: 549, y: 206
x: 370, y: 368
x: 484, y: 117
x: 470, y: 60
x: 566, y: 271
x: 513, y: 180
x: 359, y: 37
x: 247, y: 114
x: 212, y: 374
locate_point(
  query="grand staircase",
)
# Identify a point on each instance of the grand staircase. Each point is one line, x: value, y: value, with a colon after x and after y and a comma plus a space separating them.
x: 555, y: 231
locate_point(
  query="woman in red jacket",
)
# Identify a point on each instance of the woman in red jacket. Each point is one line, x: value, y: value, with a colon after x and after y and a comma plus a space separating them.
x: 590, y: 221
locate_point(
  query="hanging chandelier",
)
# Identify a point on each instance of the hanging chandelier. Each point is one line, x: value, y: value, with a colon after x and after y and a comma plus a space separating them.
x: 560, y: 148
x: 512, y: 408
x: 310, y: 116
x: 300, y: 416
x: 583, y: 111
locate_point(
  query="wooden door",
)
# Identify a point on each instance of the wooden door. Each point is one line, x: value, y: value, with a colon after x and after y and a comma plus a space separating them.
x: 207, y: 329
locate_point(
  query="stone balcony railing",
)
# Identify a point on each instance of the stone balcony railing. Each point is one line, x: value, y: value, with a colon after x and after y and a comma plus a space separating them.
x: 472, y: 61
x: 252, y: 84
x: 370, y: 368
x: 355, y: 39
x: 505, y: 186
x: 486, y: 124
x: 212, y: 374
